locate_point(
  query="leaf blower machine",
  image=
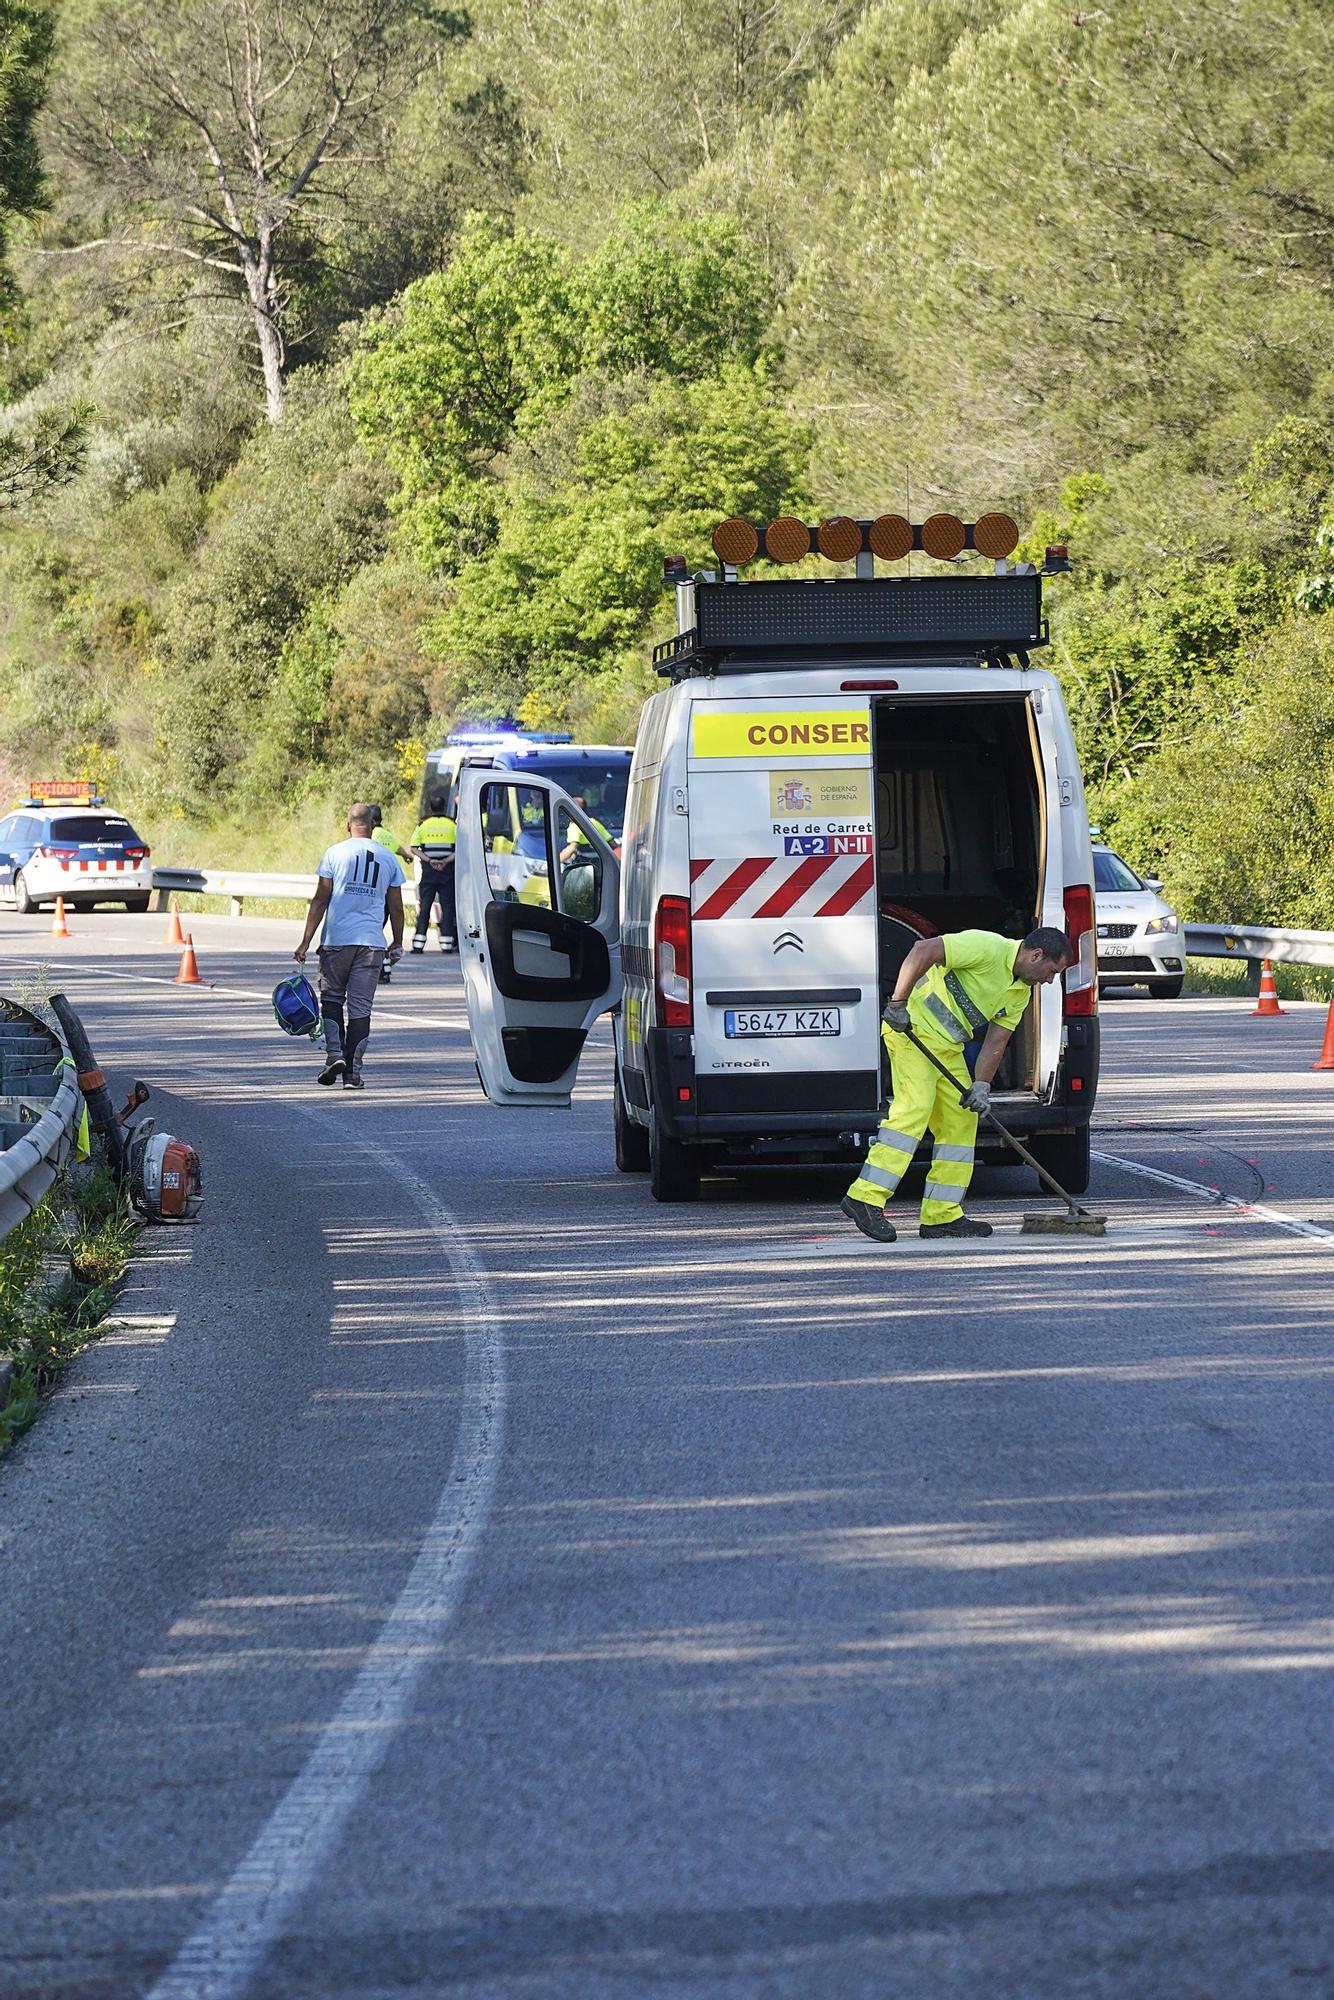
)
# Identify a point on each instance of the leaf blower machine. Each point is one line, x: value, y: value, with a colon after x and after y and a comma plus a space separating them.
x: 166, y: 1180
x: 163, y: 1174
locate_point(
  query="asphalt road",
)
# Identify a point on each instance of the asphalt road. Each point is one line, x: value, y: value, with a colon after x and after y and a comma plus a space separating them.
x: 457, y: 1575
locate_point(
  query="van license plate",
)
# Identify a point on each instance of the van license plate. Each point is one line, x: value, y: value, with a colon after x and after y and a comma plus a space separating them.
x: 739, y: 1022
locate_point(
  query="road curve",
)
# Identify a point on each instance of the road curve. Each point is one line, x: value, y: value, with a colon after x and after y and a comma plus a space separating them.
x: 456, y: 1574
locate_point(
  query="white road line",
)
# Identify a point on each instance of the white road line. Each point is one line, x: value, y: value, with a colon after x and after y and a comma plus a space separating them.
x: 382, y: 1020
x: 221, y: 1955
x: 1259, y: 1208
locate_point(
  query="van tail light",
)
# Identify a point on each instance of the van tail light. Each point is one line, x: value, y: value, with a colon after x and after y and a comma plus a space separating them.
x: 671, y: 961
x: 1080, y: 978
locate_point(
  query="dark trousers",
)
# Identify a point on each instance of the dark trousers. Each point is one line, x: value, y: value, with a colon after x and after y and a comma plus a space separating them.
x: 436, y: 885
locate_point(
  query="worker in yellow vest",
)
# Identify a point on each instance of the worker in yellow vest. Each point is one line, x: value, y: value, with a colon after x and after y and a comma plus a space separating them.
x: 967, y: 991
x: 434, y: 841
x: 383, y: 838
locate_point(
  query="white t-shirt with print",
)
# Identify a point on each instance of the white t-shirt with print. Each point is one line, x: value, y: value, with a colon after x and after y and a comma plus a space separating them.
x: 362, y: 872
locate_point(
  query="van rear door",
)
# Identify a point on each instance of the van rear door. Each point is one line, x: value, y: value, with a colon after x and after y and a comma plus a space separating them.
x: 1048, y: 1000
x: 541, y: 959
x: 783, y: 904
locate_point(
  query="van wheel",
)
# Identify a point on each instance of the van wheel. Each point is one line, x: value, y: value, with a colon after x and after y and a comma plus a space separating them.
x: 1166, y: 989
x: 632, y: 1141
x: 1066, y: 1158
x: 673, y: 1169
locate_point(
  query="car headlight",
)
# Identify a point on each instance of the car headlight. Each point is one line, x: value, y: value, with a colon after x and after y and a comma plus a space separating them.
x: 1156, y: 925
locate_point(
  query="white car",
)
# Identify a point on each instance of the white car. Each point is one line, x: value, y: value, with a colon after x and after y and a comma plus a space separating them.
x: 1140, y: 941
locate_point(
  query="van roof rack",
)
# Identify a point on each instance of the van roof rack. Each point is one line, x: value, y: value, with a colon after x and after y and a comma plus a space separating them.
x: 788, y: 622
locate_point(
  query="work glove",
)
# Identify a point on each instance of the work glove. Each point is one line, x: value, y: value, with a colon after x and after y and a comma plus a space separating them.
x: 977, y: 1097
x: 394, y: 953
x: 896, y: 1016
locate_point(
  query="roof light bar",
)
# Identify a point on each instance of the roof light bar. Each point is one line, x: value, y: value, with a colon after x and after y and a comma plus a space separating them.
x: 841, y: 539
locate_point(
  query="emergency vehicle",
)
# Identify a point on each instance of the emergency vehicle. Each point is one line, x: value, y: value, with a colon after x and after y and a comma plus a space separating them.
x: 62, y: 841
x: 836, y: 768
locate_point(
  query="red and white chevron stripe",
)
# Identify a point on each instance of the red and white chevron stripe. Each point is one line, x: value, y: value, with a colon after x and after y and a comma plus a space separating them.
x: 817, y: 885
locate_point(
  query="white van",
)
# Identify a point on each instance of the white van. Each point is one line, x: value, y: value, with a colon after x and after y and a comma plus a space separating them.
x: 835, y: 770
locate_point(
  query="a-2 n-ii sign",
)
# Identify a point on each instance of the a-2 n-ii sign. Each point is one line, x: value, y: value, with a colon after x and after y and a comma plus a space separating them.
x: 826, y: 843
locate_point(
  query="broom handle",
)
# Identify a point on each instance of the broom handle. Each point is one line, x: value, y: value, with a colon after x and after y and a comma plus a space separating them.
x: 1047, y: 1179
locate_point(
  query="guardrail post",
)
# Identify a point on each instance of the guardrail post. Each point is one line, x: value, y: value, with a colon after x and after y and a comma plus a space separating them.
x: 238, y: 906
x: 1252, y: 987
x: 161, y: 898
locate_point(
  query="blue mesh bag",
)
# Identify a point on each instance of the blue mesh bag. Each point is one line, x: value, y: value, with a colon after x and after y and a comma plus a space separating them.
x: 296, y: 1006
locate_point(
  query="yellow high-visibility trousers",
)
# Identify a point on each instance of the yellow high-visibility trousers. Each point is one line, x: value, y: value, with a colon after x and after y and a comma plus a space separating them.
x: 922, y: 1101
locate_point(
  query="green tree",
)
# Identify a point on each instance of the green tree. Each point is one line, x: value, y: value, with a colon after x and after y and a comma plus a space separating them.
x: 575, y: 573
x: 238, y: 135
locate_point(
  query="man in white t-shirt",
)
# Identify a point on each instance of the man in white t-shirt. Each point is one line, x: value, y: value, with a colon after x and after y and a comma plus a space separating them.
x: 359, y: 879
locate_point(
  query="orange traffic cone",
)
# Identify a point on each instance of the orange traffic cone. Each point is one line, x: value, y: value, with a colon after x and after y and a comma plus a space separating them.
x: 1327, y: 1053
x: 59, y: 928
x: 175, y: 935
x: 187, y: 973
x: 1268, y: 1005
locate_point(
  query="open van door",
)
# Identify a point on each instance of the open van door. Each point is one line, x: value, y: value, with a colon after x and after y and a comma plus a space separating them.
x: 538, y: 890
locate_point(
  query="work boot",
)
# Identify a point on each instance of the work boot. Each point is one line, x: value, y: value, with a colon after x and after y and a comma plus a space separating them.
x: 418, y: 944
x: 332, y: 1070
x: 872, y: 1222
x: 384, y: 975
x: 449, y: 944
x: 963, y: 1225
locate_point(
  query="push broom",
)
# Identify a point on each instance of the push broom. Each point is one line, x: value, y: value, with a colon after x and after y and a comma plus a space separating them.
x: 1077, y: 1220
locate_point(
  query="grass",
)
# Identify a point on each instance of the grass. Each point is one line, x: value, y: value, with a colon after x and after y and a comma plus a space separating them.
x: 284, y: 842
x: 1228, y: 976
x: 59, y: 1275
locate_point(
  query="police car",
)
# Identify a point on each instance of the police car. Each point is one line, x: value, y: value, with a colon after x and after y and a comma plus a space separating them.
x: 1140, y: 941
x: 63, y: 841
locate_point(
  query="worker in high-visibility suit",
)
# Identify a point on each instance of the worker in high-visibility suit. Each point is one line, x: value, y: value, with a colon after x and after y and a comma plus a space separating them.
x: 968, y: 987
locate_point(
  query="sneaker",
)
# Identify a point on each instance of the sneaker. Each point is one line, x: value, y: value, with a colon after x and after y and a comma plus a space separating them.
x: 964, y: 1225
x: 353, y: 1081
x: 418, y: 944
x: 332, y: 1070
x: 872, y: 1222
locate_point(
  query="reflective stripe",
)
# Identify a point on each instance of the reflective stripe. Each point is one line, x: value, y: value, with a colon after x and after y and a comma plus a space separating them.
x: 946, y: 1018
x: 905, y: 1141
x: 961, y: 1155
x: 879, y: 1177
x: 938, y: 1191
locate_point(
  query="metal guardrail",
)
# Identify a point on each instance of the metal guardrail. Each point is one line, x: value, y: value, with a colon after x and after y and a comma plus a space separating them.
x: 1255, y: 942
x: 38, y: 1148
x: 231, y: 882
x: 239, y: 886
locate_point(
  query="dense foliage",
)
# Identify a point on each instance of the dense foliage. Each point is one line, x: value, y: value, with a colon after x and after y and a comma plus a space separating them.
x: 404, y: 433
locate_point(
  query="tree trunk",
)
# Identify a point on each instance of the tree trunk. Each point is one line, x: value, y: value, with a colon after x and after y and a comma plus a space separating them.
x: 271, y: 358
x: 259, y: 284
